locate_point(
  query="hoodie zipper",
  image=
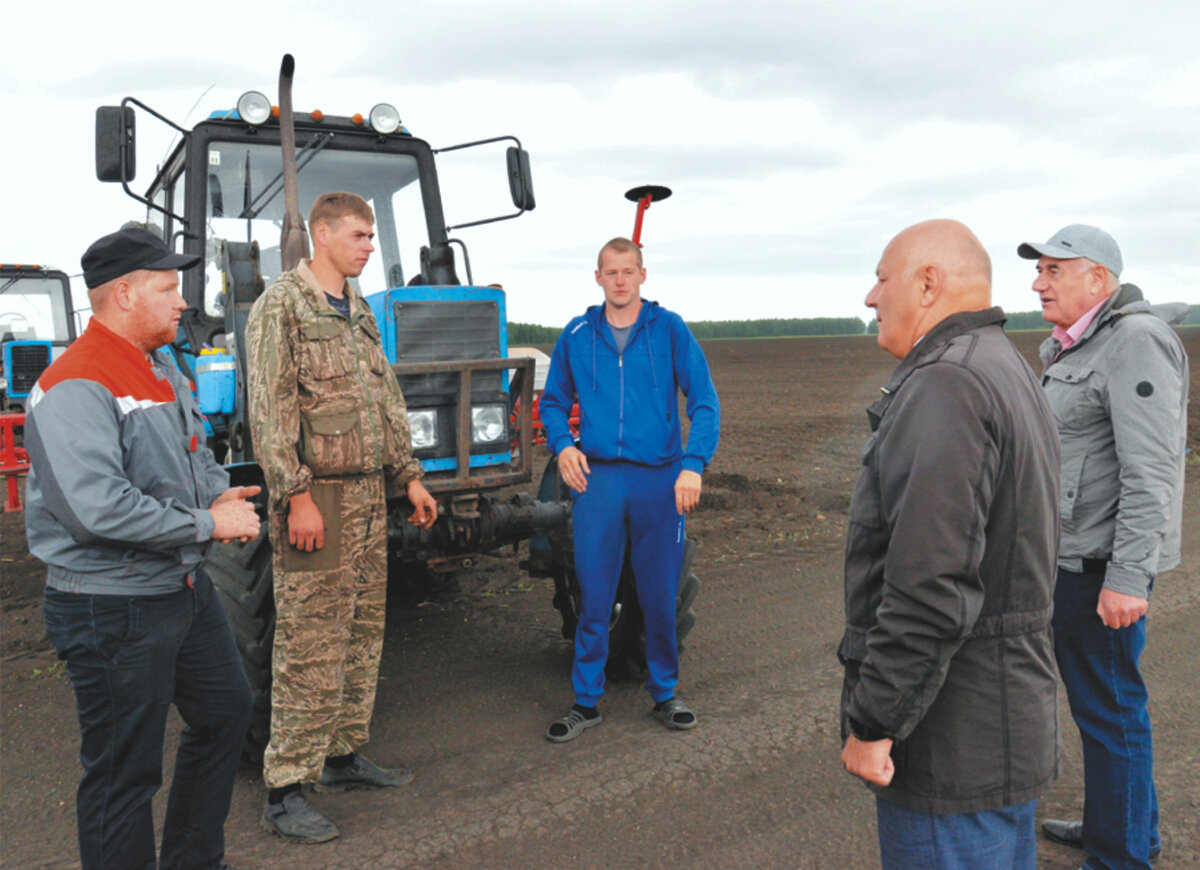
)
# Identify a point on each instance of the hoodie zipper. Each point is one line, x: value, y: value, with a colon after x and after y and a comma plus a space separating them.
x: 621, y: 404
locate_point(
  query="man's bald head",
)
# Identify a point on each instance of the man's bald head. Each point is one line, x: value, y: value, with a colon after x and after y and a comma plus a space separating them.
x: 952, y: 247
x: 928, y: 272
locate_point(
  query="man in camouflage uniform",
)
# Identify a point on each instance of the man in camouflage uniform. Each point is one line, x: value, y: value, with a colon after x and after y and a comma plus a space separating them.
x: 332, y: 434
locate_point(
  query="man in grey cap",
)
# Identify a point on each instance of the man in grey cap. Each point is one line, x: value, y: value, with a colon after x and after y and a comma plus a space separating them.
x: 123, y: 498
x: 1117, y: 378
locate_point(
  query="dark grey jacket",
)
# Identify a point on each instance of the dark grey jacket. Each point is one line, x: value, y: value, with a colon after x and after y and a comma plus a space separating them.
x: 1120, y: 396
x: 950, y: 574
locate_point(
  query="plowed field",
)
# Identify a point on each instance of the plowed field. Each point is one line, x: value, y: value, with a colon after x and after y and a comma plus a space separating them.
x: 472, y: 676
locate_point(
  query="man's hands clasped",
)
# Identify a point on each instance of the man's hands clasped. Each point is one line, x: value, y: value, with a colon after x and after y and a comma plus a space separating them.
x: 234, y: 516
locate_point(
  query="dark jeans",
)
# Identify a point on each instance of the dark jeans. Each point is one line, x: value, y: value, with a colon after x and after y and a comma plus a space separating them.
x: 1001, y: 839
x: 1099, y: 668
x: 129, y: 659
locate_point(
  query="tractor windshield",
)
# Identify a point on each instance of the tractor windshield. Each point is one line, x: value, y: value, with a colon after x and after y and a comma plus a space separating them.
x: 245, y: 203
x: 34, y: 307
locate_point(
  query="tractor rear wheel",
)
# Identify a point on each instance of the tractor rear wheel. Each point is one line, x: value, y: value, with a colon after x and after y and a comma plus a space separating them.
x: 244, y: 579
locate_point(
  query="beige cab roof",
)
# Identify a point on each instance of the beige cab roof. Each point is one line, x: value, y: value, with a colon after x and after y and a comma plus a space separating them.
x: 542, y: 364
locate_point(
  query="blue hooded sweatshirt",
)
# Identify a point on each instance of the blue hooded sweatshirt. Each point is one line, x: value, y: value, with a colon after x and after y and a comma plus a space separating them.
x: 628, y: 402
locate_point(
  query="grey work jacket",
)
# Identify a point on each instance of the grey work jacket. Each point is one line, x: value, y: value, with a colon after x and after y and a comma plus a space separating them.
x: 1119, y: 395
x: 121, y: 479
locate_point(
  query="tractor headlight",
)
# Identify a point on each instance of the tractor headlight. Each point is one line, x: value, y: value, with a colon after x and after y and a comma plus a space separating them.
x: 253, y: 108
x: 384, y: 119
x: 487, y: 424
x: 423, y: 426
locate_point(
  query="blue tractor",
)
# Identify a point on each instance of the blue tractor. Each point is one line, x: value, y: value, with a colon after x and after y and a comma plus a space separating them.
x: 37, y: 322
x: 232, y: 190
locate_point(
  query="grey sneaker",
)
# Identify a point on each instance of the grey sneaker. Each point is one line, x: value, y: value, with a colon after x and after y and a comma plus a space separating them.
x: 297, y: 821
x: 362, y: 774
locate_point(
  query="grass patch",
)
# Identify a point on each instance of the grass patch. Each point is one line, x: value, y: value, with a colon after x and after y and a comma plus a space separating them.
x: 56, y: 671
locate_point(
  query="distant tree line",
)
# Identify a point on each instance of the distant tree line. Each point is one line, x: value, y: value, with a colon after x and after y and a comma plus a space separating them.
x: 1018, y: 320
x: 1033, y: 319
x: 792, y: 327
x: 784, y: 327
x: 776, y: 327
x: 531, y: 333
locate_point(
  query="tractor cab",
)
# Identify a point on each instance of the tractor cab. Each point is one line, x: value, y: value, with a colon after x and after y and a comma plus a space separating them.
x: 221, y: 194
x: 37, y: 322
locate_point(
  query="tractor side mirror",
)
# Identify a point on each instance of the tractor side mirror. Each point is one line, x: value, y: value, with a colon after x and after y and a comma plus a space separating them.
x: 115, y: 144
x: 520, y: 181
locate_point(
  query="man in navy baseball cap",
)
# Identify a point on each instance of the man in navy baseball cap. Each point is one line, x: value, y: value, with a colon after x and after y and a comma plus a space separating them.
x: 123, y: 497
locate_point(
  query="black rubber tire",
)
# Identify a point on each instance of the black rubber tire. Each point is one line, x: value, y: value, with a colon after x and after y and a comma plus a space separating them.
x: 244, y: 580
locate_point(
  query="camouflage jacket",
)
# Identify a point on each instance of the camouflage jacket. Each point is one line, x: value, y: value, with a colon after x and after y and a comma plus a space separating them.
x: 323, y: 399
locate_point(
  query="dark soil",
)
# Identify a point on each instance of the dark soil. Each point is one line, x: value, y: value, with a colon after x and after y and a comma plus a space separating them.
x: 472, y: 676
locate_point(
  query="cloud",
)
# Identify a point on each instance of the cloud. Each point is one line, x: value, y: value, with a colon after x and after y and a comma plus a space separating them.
x: 697, y: 162
x: 798, y: 136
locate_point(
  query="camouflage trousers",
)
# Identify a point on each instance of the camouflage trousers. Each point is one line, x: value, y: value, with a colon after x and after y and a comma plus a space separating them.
x: 330, y: 607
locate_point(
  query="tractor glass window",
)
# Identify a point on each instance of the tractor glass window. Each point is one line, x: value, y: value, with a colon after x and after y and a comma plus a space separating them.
x: 245, y: 203
x: 170, y: 198
x: 33, y: 308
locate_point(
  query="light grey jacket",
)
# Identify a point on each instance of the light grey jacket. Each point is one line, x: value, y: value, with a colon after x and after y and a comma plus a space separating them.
x: 1119, y: 395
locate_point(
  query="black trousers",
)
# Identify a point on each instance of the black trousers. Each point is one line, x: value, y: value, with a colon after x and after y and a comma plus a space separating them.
x: 129, y: 658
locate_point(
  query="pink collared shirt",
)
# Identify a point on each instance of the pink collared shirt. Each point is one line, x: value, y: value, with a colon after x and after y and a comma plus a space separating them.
x: 1067, y: 337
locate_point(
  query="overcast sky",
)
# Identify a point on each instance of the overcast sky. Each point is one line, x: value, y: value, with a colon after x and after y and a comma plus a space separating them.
x: 798, y: 137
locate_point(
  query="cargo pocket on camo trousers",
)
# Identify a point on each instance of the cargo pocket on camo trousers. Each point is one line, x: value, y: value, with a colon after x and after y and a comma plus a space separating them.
x: 327, y: 496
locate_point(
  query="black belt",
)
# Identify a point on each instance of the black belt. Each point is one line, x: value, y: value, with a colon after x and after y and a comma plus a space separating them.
x: 1095, y: 566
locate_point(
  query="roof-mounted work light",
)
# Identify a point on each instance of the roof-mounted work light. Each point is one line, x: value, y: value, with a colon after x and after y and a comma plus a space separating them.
x: 384, y: 119
x: 254, y: 108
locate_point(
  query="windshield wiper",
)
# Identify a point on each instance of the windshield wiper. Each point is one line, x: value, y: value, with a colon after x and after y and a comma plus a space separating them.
x: 275, y: 185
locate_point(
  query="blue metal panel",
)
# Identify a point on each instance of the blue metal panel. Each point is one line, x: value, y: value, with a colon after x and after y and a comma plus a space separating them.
x: 381, y: 305
x: 481, y: 461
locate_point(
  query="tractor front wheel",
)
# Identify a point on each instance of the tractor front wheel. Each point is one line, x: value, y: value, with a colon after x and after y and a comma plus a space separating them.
x: 244, y: 580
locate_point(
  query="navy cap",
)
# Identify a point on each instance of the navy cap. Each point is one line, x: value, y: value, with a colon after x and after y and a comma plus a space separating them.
x: 127, y: 251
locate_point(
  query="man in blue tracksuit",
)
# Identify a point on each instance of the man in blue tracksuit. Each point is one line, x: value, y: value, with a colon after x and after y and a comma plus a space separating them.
x: 632, y: 479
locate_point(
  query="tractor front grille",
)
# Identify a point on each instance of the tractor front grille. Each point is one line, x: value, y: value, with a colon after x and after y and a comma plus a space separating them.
x: 28, y: 363
x: 441, y: 331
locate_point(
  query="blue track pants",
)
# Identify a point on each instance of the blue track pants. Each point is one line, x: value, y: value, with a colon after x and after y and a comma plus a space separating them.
x: 625, y: 501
